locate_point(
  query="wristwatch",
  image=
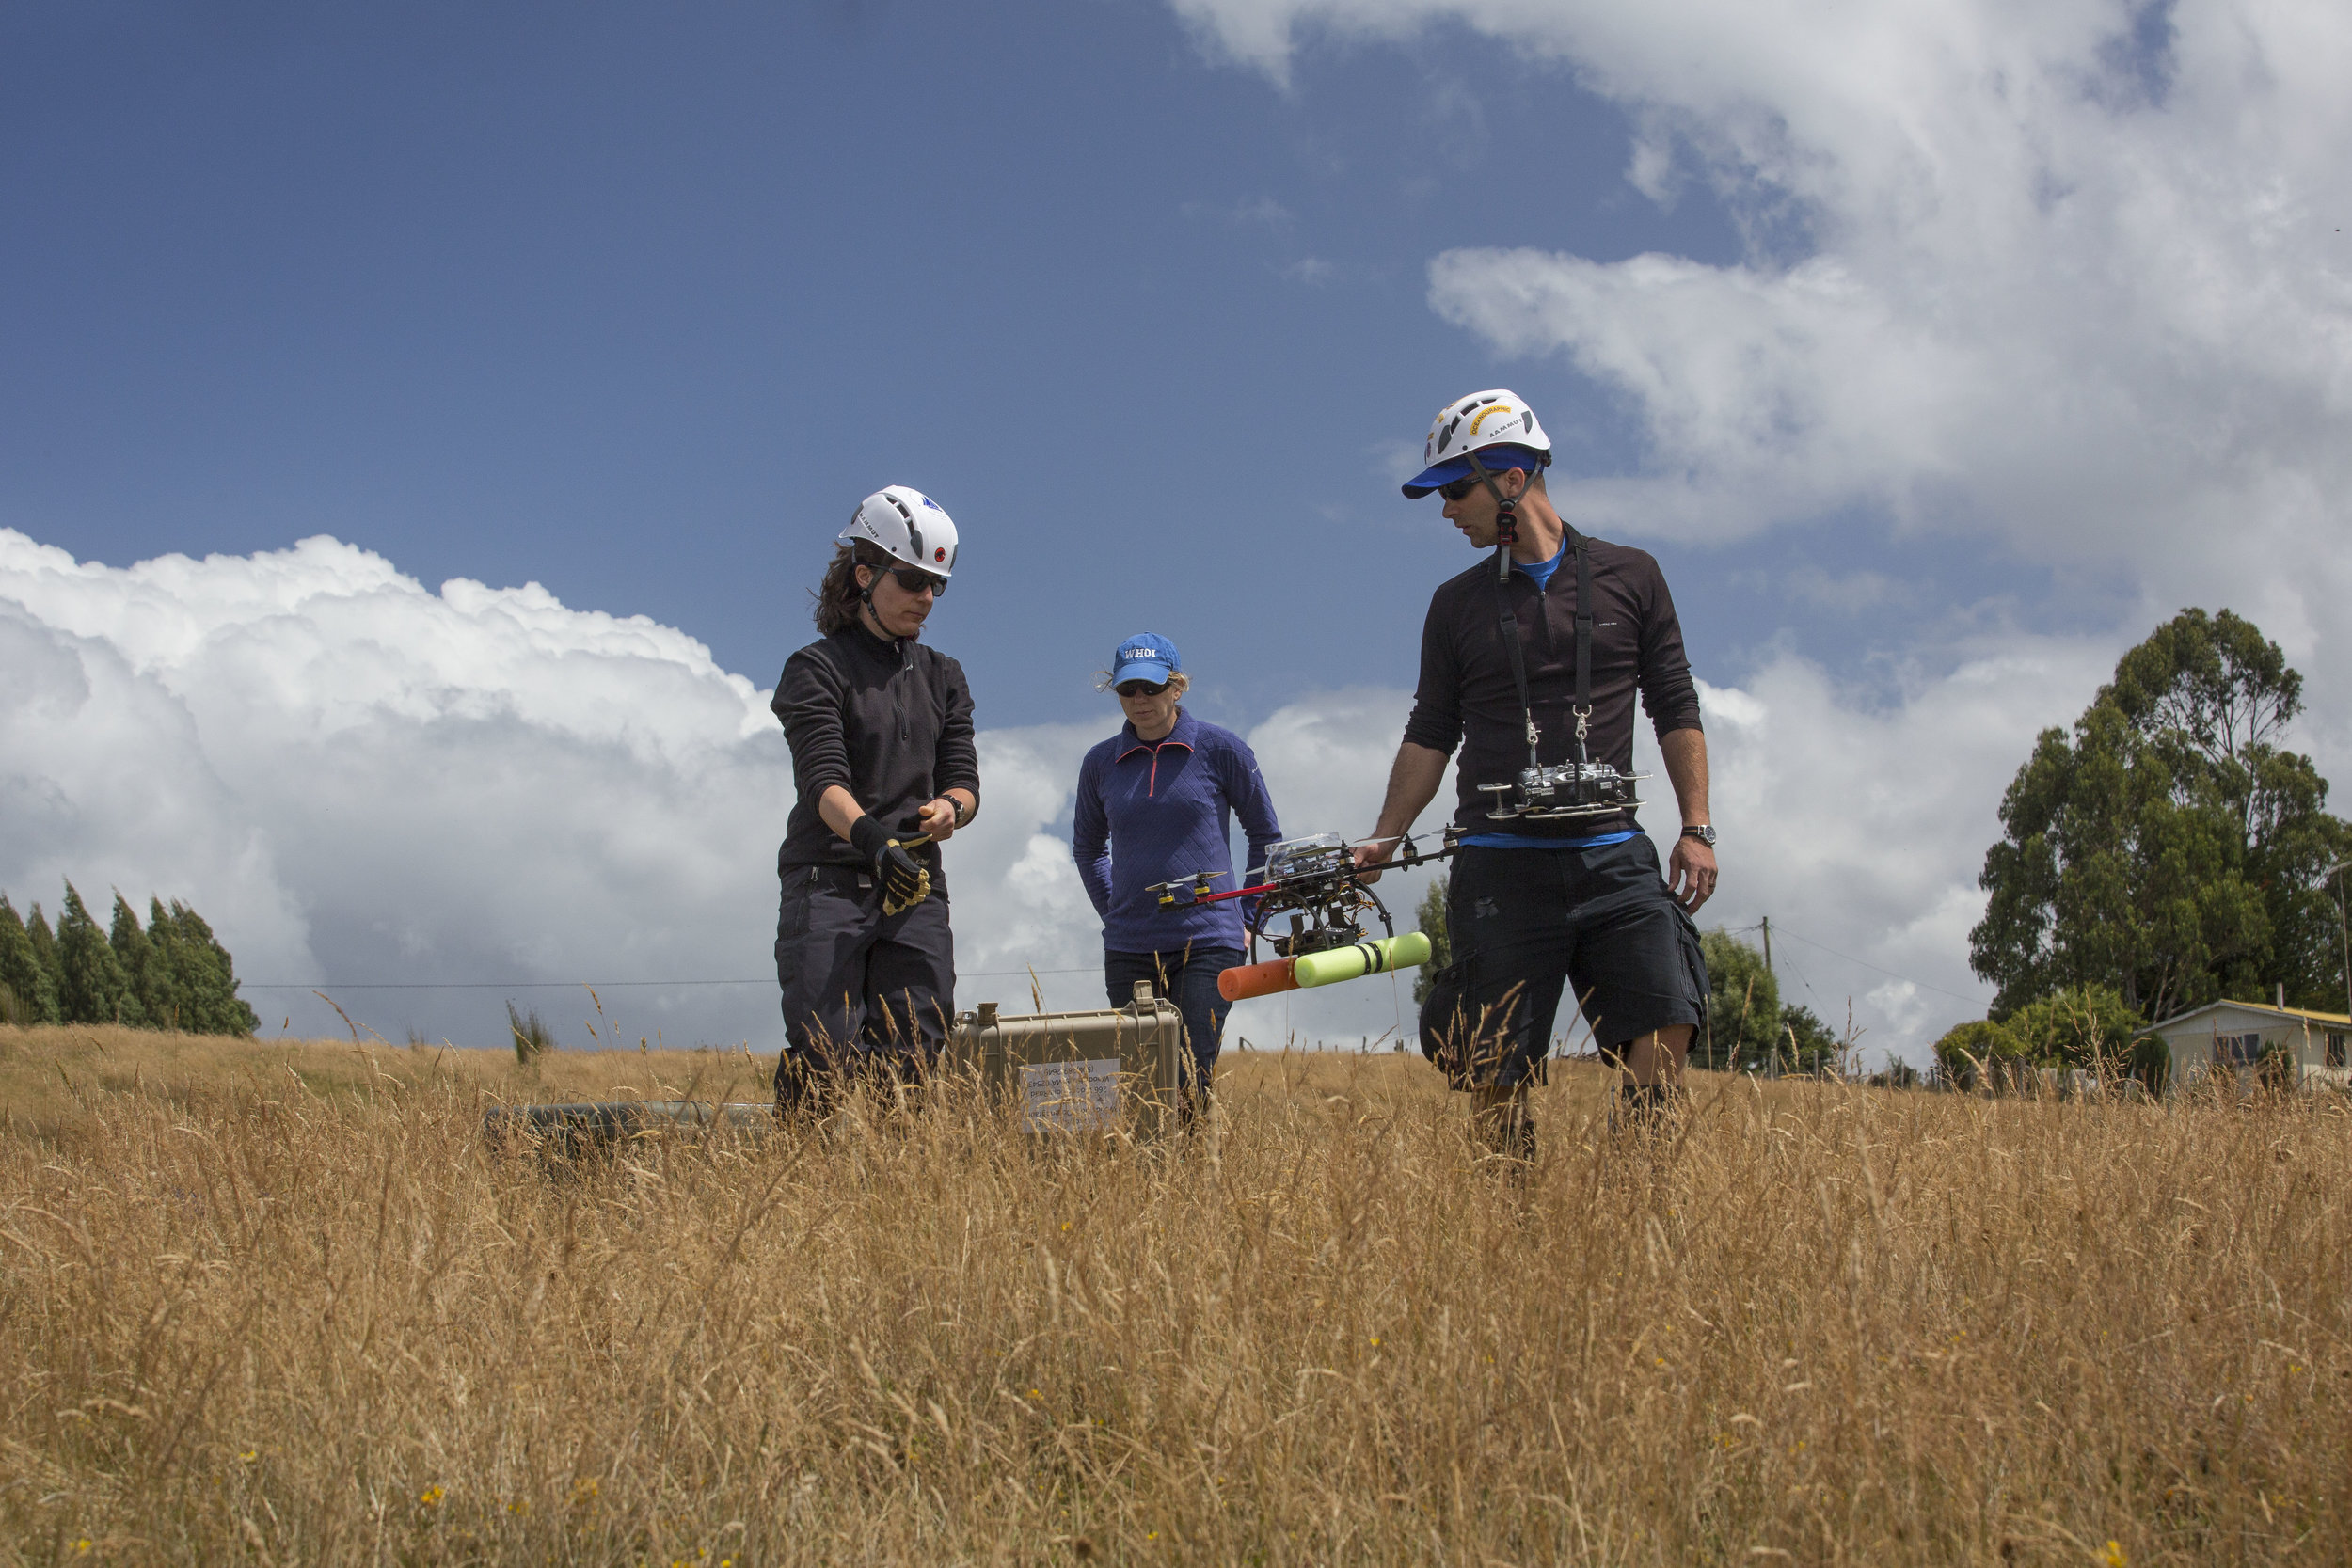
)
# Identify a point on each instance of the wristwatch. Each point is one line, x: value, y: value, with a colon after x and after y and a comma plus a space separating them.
x: 1702, y: 832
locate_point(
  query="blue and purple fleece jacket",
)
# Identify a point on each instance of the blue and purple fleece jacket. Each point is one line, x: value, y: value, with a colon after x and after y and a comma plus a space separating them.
x: 1168, y: 808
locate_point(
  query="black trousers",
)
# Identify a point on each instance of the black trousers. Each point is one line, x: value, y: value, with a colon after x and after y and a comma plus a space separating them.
x: 864, y: 992
x: 1525, y: 922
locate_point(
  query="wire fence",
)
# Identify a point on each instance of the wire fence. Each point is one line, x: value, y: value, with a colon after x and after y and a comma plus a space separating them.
x: 594, y: 985
x: 968, y: 974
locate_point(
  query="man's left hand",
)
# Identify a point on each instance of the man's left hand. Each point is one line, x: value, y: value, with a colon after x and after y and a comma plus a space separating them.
x: 1691, y: 874
x: 938, y: 820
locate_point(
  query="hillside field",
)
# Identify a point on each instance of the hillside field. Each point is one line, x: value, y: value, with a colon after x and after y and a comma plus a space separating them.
x: 275, y: 1302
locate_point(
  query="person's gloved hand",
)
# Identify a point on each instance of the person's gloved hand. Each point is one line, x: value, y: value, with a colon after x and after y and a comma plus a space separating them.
x: 902, y: 881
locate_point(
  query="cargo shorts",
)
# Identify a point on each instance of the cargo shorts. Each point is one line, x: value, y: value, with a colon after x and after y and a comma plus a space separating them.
x: 1523, y: 924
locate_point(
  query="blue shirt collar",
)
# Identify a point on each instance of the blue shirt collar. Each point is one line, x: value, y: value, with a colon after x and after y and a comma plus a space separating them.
x: 1546, y: 567
x: 1180, y: 735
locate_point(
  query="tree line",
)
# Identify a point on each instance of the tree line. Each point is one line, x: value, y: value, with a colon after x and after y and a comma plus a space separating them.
x: 171, y: 974
x: 2169, y: 851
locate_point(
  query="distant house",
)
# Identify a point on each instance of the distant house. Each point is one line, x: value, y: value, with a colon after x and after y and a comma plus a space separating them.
x: 2235, y: 1035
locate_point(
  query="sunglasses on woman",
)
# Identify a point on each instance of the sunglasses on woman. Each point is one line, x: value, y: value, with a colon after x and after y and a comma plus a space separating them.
x: 1141, y: 688
x: 914, y: 580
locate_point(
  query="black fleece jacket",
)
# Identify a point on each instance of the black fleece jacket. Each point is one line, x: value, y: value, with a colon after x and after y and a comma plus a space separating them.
x: 1466, y: 695
x: 891, y: 723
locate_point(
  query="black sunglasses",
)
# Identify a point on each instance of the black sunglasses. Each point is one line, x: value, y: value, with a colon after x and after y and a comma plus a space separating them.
x: 1139, y: 689
x: 914, y: 580
x: 1454, y: 490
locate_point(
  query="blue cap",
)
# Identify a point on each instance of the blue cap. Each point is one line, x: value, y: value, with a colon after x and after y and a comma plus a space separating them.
x: 1145, y: 657
x: 1496, y: 459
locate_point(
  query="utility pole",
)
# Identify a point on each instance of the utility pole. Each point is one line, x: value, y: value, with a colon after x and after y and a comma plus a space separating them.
x: 1766, y: 924
x: 2344, y: 928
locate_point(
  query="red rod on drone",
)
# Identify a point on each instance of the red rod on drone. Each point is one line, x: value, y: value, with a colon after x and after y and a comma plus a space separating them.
x: 1236, y: 893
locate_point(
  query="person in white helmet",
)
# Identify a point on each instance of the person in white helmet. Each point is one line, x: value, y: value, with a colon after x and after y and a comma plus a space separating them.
x: 883, y: 760
x: 1550, y: 645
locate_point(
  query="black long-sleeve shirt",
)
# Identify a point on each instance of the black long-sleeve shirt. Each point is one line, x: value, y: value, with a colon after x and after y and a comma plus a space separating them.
x: 891, y: 723
x: 1466, y: 695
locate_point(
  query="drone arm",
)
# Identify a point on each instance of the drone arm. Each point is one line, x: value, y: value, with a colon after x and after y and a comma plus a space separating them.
x: 1249, y: 911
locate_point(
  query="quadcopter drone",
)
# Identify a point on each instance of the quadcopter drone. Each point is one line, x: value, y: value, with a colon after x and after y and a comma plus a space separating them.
x: 1312, y: 880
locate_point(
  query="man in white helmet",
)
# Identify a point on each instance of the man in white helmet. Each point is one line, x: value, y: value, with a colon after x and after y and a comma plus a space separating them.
x: 1546, y: 649
x: 882, y: 757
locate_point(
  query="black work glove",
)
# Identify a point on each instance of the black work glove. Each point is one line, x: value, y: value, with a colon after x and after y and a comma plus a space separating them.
x: 901, y: 880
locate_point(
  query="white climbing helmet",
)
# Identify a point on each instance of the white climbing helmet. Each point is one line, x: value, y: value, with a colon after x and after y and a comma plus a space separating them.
x: 1491, y: 419
x: 908, y: 526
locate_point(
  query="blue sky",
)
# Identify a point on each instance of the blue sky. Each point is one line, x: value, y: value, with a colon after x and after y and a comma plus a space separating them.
x: 636, y: 302
x: 1938, y: 353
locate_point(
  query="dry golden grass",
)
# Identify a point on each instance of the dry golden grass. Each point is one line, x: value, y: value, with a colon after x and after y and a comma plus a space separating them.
x: 273, y: 1303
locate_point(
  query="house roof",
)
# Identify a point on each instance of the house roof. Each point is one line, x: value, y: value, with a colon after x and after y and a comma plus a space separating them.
x: 2302, y: 1014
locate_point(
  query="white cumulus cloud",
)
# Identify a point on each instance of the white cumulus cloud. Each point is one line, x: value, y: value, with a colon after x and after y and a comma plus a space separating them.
x: 2070, y: 278
x: 359, y: 779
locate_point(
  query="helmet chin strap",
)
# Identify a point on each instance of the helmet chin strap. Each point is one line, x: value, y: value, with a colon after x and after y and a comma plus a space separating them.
x: 1506, y: 515
x: 866, y: 598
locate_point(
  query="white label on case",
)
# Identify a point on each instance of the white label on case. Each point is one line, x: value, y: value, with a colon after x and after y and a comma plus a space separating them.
x: 1069, y: 1097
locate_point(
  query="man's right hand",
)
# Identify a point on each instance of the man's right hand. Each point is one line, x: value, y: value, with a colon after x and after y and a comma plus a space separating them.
x: 1371, y: 856
x: 1413, y: 782
x: 900, y: 877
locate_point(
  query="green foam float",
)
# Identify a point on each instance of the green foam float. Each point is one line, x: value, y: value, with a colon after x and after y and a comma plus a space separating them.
x: 1364, y: 958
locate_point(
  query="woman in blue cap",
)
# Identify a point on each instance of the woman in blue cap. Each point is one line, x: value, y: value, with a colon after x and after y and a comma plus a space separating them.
x: 1156, y: 803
